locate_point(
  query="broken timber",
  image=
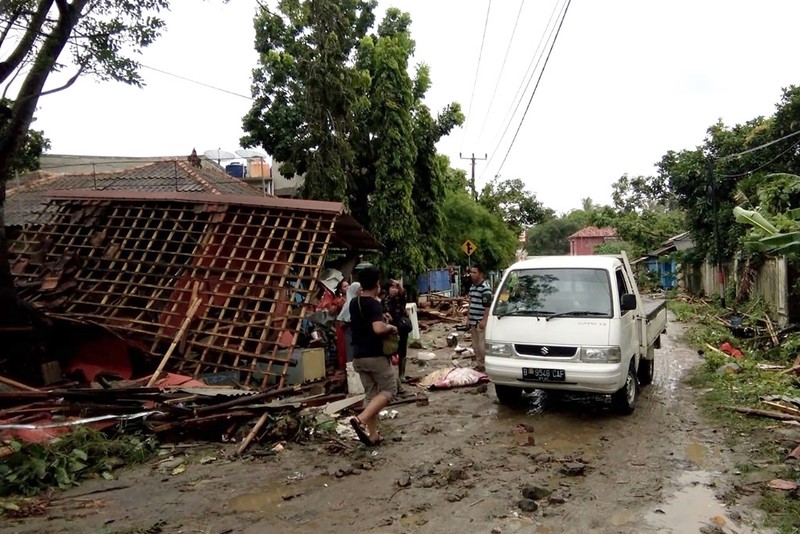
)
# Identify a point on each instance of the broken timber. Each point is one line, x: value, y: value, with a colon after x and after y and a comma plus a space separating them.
x: 128, y: 261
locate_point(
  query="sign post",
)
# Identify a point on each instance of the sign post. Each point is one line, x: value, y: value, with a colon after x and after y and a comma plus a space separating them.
x: 469, y: 249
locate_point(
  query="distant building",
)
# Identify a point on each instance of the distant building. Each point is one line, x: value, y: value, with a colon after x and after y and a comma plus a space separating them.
x: 583, y: 242
x: 662, y: 264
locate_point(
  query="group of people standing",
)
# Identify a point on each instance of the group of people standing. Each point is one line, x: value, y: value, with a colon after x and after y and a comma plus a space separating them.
x: 370, y: 314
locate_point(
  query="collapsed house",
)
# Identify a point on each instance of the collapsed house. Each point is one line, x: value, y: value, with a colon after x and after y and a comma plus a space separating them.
x: 227, y: 281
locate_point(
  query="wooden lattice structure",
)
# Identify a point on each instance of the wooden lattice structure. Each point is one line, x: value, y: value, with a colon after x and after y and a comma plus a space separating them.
x: 134, y: 262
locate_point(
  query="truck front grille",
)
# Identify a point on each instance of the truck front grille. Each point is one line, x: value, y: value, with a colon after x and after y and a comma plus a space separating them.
x: 550, y: 351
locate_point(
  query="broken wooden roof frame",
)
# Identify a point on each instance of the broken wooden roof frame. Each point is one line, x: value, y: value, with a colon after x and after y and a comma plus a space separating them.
x: 131, y: 262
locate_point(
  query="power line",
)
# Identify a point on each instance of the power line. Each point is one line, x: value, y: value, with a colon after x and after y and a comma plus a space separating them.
x: 541, y: 73
x: 793, y: 146
x: 502, y: 69
x: 196, y: 82
x: 477, y: 71
x: 765, y: 145
x: 178, y: 76
x: 523, y: 86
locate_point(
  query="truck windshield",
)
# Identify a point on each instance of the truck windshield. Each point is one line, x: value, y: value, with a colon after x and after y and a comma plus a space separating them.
x: 543, y: 292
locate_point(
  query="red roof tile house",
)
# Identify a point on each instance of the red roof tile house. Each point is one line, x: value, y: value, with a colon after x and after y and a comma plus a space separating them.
x: 583, y: 242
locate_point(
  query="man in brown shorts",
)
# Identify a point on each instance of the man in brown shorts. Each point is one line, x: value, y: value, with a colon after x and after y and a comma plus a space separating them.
x: 375, y: 370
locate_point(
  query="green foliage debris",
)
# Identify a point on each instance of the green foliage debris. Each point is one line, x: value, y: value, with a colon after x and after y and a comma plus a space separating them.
x: 79, y: 454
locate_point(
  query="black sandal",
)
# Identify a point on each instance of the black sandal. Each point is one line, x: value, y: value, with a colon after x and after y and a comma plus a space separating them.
x: 361, y: 432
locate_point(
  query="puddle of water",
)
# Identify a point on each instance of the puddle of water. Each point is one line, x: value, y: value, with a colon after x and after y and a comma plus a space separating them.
x: 697, y: 453
x: 693, y: 507
x: 259, y: 502
x: 268, y: 500
x: 622, y: 518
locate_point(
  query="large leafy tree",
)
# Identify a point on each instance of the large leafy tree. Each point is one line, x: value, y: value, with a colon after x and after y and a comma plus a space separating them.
x: 391, y: 210
x: 638, y: 193
x: 39, y: 37
x: 518, y: 207
x: 387, y: 169
x: 307, y: 89
x: 706, y: 180
x: 551, y: 237
x: 466, y: 219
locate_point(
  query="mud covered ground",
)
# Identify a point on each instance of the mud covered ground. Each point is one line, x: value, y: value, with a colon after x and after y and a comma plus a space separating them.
x: 461, y: 464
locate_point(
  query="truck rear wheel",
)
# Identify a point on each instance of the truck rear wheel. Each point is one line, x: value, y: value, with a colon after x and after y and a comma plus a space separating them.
x: 508, y: 395
x: 646, y: 371
x: 624, y: 400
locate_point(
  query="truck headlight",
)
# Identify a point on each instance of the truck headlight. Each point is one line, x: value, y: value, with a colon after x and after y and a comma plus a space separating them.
x: 601, y: 354
x: 503, y: 350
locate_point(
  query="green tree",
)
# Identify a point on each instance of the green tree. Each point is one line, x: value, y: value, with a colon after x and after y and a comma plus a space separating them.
x: 466, y: 219
x: 551, y: 237
x: 388, y: 170
x: 307, y: 89
x: 519, y: 208
x: 100, y: 37
x: 391, y: 212
x: 27, y: 158
x: 639, y: 193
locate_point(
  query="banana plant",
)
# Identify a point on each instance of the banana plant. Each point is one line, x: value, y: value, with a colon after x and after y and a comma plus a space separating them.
x: 769, y: 238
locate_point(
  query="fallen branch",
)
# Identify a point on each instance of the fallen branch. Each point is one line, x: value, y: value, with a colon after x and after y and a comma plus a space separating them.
x: 791, y: 370
x: 715, y: 349
x: 763, y: 413
x: 781, y: 408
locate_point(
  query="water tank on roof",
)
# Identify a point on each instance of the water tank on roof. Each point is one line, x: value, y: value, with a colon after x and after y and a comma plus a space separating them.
x: 237, y: 170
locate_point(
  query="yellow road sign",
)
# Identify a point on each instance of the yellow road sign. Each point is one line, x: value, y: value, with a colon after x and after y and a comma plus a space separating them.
x: 469, y: 247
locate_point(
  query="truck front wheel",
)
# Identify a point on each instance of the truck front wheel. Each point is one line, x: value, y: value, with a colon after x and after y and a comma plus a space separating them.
x: 624, y: 400
x: 508, y: 395
x: 646, y: 371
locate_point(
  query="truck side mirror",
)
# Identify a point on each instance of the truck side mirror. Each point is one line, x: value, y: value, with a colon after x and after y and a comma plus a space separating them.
x: 628, y: 302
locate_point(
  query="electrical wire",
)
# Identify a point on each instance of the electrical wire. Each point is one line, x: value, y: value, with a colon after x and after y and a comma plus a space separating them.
x: 538, y: 81
x: 477, y: 71
x: 167, y: 73
x: 184, y: 78
x: 533, y: 66
x: 500, y: 76
x: 770, y: 162
x: 754, y: 149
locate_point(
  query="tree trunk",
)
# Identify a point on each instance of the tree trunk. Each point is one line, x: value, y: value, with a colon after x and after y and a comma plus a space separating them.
x: 13, y: 136
x: 23, y: 48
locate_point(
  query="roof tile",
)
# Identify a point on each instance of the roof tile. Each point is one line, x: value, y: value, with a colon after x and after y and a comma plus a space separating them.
x: 24, y: 202
x: 593, y: 231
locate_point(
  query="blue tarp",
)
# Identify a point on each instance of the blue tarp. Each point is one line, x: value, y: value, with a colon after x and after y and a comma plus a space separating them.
x: 433, y: 281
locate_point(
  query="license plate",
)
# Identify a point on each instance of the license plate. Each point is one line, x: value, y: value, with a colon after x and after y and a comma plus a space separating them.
x: 543, y: 375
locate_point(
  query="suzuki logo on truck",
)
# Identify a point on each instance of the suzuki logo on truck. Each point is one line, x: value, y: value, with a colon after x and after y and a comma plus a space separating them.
x: 545, y: 351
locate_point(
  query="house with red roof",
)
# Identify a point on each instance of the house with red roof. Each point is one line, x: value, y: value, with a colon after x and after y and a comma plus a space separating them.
x: 584, y: 241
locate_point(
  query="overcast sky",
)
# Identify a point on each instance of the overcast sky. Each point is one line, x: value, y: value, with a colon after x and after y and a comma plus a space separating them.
x: 627, y: 81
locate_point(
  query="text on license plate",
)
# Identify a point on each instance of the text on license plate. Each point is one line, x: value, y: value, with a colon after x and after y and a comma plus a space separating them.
x: 543, y: 375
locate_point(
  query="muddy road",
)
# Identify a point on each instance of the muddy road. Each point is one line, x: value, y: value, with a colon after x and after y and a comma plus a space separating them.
x: 461, y: 464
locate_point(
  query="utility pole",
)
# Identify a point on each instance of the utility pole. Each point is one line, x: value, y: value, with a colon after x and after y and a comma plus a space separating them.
x: 712, y: 193
x: 473, y: 159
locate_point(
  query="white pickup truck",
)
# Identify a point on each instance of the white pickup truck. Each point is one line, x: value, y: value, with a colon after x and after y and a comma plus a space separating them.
x: 573, y: 323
